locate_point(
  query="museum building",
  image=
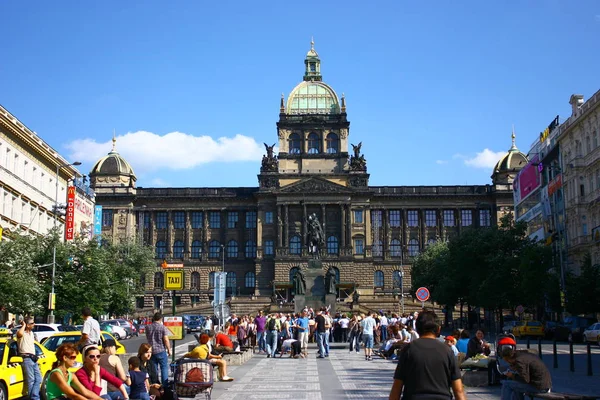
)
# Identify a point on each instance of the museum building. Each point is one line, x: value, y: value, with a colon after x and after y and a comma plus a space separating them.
x: 258, y: 234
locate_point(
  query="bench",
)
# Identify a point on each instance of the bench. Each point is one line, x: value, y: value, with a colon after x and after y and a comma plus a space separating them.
x: 237, y: 357
x: 560, y: 396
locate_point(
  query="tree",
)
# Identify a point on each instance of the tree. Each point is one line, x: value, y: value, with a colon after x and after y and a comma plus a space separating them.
x: 583, y: 290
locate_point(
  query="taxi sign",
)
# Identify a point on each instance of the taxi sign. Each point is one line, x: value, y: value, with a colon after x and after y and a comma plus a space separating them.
x: 5, y: 332
x: 174, y: 280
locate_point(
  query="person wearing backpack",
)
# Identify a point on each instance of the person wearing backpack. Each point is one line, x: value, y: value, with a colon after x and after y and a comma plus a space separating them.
x: 273, y: 328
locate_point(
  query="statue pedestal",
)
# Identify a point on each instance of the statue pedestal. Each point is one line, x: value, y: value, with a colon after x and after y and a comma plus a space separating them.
x: 330, y: 302
x: 315, y: 288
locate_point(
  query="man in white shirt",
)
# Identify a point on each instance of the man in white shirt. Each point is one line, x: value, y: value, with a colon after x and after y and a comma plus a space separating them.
x: 344, y: 321
x: 26, y: 347
x: 383, y: 321
x: 90, y: 332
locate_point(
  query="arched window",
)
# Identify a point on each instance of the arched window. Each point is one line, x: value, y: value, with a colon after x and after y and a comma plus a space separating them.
x: 230, y: 282
x: 333, y: 143
x: 214, y: 249
x: 250, y: 279
x: 397, y: 278
x: 195, y: 281
x: 337, y: 274
x: 159, y: 281
x: 250, y: 249
x: 430, y: 241
x: 413, y: 248
x: 161, y: 249
x: 293, y: 272
x: 143, y: 280
x: 395, y: 248
x: 294, y: 143
x: 211, y: 279
x: 295, y: 245
x: 314, y: 145
x: 178, y: 249
x: 378, y: 279
x: 196, y: 249
x: 332, y: 245
x: 232, y: 249
x: 377, y: 249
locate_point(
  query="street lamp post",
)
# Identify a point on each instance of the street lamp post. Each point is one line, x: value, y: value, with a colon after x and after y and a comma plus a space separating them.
x: 51, y: 299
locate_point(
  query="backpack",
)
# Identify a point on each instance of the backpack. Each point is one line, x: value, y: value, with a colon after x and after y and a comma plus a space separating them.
x: 272, y: 324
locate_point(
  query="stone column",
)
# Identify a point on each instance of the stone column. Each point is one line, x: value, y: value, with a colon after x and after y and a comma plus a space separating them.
x: 386, y: 233
x: 458, y: 218
x: 368, y: 238
x: 205, y: 234
x: 170, y: 233
x: 348, y: 226
x: 342, y: 226
x: 304, y: 225
x: 475, y: 214
x: 323, y: 220
x: 286, y: 226
x: 187, y: 236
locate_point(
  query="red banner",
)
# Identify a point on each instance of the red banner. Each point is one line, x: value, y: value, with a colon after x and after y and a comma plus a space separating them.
x: 70, y: 214
x: 555, y: 184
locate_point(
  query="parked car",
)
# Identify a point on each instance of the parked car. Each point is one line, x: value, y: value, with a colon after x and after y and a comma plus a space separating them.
x: 116, y: 330
x: 571, y: 329
x: 123, y: 324
x: 549, y: 329
x: 509, y: 326
x: 194, y: 324
x: 529, y: 328
x: 12, y: 381
x: 57, y: 339
x: 592, y: 334
x: 44, y: 331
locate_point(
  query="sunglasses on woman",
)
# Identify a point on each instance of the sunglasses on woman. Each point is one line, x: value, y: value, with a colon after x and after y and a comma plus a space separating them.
x: 72, y: 357
x: 93, y: 356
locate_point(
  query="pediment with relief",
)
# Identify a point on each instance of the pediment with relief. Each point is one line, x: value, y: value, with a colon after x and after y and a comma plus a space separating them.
x: 315, y: 185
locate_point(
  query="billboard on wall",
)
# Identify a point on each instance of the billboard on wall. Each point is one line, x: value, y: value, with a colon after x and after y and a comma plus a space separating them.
x: 527, y: 180
x: 80, y: 215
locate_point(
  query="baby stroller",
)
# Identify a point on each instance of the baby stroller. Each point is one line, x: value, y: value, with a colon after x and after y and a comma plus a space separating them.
x: 192, y: 377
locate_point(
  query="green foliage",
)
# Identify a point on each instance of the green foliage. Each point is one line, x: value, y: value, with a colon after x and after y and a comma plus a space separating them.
x: 105, y: 278
x: 491, y: 267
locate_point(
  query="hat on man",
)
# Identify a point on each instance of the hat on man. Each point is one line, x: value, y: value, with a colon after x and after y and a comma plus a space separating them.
x: 109, y: 343
x: 451, y: 338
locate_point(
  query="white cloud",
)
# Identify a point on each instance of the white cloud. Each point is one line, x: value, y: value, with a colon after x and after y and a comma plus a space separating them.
x: 159, y: 182
x: 441, y: 162
x: 485, y: 159
x: 458, y: 156
x: 147, y: 151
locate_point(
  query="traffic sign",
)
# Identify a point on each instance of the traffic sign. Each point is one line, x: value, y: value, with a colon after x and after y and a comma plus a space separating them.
x: 422, y: 294
x: 174, y: 280
x: 222, y: 311
x: 520, y: 309
x: 175, y: 327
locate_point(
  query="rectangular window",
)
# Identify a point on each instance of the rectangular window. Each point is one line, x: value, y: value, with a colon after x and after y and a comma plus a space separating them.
x: 358, y: 216
x: 269, y: 248
x: 430, y: 218
x: 250, y: 219
x: 214, y: 219
x: 269, y: 217
x: 395, y: 218
x: 197, y: 219
x: 232, y: 219
x: 466, y: 217
x: 161, y: 220
x: 376, y: 218
x: 359, y: 246
x: 413, y: 218
x: 107, y: 217
x: 179, y: 220
x: 584, y: 229
x: 448, y: 217
x: 485, y: 218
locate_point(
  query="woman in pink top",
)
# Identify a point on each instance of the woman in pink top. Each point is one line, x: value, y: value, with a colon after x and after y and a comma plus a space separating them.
x: 91, y: 374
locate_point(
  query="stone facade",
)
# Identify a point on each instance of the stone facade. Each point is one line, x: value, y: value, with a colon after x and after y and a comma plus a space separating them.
x: 259, y: 234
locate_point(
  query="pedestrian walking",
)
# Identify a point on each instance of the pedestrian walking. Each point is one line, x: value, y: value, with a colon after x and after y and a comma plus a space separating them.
x: 26, y: 347
x: 427, y: 368
x: 158, y: 337
x: 90, y: 332
x: 368, y: 325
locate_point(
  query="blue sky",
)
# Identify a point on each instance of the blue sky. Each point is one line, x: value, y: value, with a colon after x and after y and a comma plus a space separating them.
x: 192, y: 88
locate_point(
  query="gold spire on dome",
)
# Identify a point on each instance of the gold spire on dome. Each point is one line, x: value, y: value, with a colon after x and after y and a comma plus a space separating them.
x: 114, y: 140
x: 514, y: 146
x: 281, y: 105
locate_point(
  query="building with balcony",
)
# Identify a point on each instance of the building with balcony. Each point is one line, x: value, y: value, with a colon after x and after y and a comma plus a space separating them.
x: 258, y: 234
x: 29, y: 183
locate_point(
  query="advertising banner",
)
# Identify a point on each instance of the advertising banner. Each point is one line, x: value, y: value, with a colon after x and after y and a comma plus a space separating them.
x: 175, y: 327
x: 98, y: 220
x: 527, y: 181
x: 83, y: 218
x: 545, y: 201
x: 70, y: 213
x: 555, y: 184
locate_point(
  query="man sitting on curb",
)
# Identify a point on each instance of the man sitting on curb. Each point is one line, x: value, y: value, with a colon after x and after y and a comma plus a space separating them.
x: 202, y: 352
x: 527, y: 373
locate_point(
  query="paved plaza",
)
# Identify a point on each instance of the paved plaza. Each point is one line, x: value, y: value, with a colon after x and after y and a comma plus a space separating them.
x: 346, y: 375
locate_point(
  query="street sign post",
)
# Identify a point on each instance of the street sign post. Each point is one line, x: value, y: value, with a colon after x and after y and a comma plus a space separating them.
x: 422, y: 295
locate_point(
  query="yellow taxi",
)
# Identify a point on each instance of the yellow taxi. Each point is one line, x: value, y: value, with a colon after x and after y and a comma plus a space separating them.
x: 529, y: 328
x: 12, y: 380
x: 59, y: 338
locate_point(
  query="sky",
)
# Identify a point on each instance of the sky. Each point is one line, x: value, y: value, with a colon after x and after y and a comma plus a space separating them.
x: 192, y: 88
